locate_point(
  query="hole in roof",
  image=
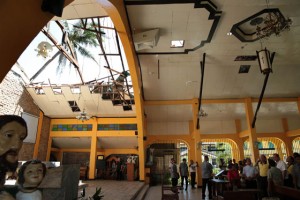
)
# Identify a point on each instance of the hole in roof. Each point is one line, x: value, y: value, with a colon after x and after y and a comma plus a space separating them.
x: 74, y: 106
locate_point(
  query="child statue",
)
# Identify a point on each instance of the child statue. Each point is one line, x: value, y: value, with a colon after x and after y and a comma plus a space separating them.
x: 30, y: 176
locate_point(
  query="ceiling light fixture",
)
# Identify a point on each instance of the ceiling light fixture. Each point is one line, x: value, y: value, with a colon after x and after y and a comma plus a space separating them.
x: 272, y: 23
x: 83, y: 116
x: 44, y: 48
x: 202, y: 113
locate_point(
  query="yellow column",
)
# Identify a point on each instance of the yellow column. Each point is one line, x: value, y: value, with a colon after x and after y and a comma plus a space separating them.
x: 239, y: 142
x: 197, y: 138
x: 252, y: 131
x: 287, y: 140
x: 93, y: 152
x: 38, y: 136
x: 193, y: 144
x: 289, y: 146
x: 141, y: 157
x: 240, y: 145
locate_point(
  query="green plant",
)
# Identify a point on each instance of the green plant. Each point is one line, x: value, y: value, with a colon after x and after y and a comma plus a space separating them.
x: 97, y: 196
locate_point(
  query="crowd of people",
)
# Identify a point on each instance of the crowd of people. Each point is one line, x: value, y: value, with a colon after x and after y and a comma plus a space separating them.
x: 184, y: 172
x: 264, y: 173
x: 261, y: 175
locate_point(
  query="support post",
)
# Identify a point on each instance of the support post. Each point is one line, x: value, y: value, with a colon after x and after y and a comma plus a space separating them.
x: 252, y: 131
x: 93, y: 151
x: 197, y: 139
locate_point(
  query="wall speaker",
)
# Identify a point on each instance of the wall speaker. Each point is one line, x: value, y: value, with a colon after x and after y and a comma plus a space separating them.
x: 53, y: 6
x: 136, y: 133
x: 145, y: 138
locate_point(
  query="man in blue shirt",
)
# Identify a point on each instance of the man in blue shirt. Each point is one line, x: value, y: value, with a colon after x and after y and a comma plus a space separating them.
x: 206, y: 176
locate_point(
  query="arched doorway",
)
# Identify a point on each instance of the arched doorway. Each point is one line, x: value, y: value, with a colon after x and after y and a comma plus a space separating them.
x: 158, y: 156
x: 267, y: 146
x: 296, y: 145
x: 219, y: 149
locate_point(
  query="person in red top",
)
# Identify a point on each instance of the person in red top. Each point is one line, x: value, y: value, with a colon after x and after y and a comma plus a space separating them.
x: 234, y: 177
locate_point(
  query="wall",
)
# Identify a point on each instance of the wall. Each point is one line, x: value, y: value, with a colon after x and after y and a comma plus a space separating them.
x: 14, y: 99
x: 42, y: 152
x: 81, y: 158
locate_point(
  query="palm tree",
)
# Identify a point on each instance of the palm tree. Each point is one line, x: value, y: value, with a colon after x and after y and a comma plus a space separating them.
x: 79, y: 39
x: 75, y: 41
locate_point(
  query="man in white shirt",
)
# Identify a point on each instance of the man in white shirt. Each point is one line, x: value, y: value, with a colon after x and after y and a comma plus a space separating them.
x: 193, y: 168
x: 280, y: 164
x: 249, y: 175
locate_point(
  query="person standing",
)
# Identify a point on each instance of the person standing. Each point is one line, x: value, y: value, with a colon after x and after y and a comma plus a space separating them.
x: 296, y: 172
x: 280, y: 164
x: 184, y: 173
x: 193, y: 168
x: 249, y: 175
x: 274, y: 177
x: 174, y: 174
x: 206, y: 176
x: 290, y: 164
x: 262, y: 179
x: 222, y: 164
x: 119, y: 170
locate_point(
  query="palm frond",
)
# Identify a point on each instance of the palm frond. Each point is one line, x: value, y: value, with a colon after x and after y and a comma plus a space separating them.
x: 85, y: 53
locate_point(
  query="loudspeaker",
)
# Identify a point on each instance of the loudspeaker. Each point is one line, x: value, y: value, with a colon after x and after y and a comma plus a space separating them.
x: 53, y: 6
x: 145, y: 138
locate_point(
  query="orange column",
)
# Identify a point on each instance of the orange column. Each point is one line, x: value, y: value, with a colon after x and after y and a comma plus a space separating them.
x: 197, y: 138
x: 252, y: 131
x: 287, y: 140
x: 239, y: 142
x: 93, y: 151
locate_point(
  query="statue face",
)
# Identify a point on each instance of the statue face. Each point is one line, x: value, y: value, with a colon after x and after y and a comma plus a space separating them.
x: 33, y: 175
x: 12, y: 135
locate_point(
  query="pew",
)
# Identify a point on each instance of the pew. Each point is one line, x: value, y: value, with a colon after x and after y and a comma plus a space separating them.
x: 244, y: 194
x: 286, y: 193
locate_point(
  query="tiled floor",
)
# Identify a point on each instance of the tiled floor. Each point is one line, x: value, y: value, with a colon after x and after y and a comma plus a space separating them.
x: 126, y: 190
x: 114, y: 190
x: 154, y: 193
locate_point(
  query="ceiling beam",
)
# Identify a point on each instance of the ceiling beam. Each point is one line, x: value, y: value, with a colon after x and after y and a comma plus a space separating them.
x: 221, y: 101
x: 116, y: 134
x: 293, y: 133
x: 169, y: 102
x: 244, y: 133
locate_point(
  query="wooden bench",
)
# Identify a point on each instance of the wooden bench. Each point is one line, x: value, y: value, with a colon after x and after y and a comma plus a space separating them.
x: 169, y: 192
x: 286, y: 192
x: 244, y: 194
